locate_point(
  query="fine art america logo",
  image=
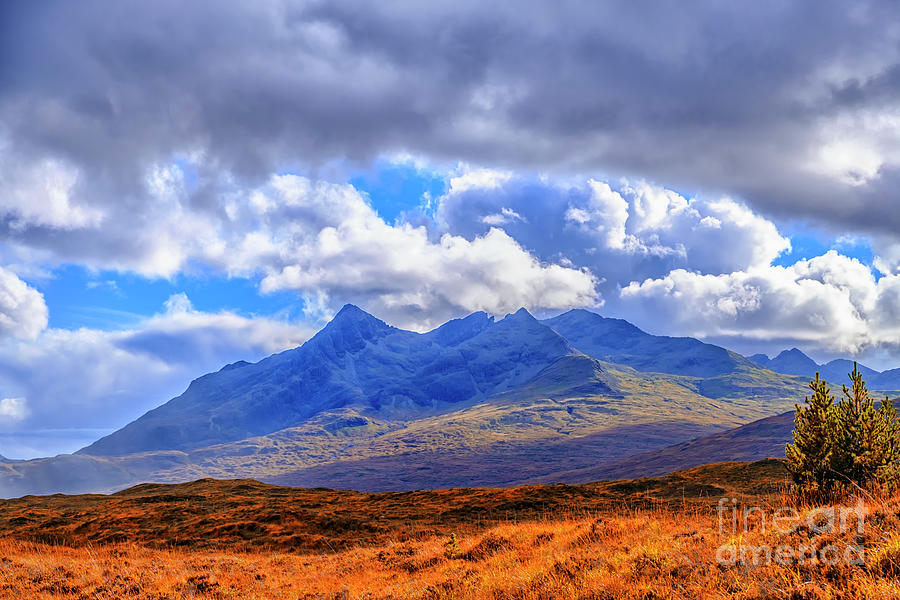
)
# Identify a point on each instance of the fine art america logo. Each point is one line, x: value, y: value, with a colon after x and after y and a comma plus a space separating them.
x: 821, y: 524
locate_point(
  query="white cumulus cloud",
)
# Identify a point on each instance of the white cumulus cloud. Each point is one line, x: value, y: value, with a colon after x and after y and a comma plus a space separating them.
x: 105, y: 379
x: 621, y: 231
x: 23, y: 312
x: 342, y: 248
x: 321, y: 239
x: 830, y: 302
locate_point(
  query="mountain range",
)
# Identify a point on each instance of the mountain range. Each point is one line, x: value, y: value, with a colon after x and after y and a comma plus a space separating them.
x: 478, y: 401
x: 795, y: 362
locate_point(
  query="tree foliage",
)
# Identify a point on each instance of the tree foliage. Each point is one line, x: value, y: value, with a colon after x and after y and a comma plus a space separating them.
x: 851, y: 441
x: 811, y: 454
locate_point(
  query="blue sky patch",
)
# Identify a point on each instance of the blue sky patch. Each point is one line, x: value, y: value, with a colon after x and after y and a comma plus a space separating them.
x: 77, y: 297
x: 394, y: 188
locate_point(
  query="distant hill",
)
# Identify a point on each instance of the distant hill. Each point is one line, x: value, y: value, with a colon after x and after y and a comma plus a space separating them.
x: 889, y: 380
x: 795, y: 362
x: 475, y: 402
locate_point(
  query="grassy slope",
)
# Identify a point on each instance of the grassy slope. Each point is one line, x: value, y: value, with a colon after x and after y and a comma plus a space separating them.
x: 755, y: 441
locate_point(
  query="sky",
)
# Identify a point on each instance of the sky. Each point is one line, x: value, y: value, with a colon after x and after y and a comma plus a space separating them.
x: 183, y: 186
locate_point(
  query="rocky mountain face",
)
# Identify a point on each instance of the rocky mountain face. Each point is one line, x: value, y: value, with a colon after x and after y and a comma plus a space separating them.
x: 356, y: 361
x: 477, y: 401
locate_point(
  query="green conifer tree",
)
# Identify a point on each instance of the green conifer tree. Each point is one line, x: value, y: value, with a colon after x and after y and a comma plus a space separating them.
x: 815, y: 426
x: 865, y: 446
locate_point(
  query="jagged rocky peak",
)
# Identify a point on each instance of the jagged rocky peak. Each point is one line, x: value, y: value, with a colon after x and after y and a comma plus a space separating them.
x: 351, y: 328
x: 352, y: 314
x: 519, y: 333
x: 794, y: 353
x: 521, y: 314
x: 456, y: 331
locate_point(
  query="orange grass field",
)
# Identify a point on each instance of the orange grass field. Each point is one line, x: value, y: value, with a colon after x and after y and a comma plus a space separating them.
x: 670, y: 549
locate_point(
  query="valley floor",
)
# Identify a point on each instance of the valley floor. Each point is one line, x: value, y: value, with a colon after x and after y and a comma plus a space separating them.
x: 632, y: 548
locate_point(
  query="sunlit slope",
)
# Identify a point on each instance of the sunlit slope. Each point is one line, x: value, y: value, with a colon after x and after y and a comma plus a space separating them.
x: 765, y: 438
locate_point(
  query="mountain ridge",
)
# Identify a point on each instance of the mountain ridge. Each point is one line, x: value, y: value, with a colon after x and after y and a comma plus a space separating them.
x: 475, y: 401
x: 355, y: 360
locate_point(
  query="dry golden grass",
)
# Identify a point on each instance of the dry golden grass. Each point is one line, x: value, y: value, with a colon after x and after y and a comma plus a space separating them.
x: 644, y: 553
x: 604, y: 541
x: 249, y: 515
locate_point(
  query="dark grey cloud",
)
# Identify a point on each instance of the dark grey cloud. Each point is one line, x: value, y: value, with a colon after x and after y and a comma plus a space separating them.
x: 709, y: 96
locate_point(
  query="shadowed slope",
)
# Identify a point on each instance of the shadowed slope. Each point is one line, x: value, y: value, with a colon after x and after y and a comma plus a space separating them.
x: 573, y: 414
x: 619, y: 341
